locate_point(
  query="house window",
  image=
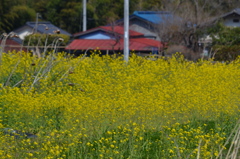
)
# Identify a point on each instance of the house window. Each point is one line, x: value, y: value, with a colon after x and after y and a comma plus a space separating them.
x: 236, y: 20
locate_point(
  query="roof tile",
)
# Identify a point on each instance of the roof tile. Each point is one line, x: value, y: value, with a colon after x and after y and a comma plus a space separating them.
x: 142, y: 44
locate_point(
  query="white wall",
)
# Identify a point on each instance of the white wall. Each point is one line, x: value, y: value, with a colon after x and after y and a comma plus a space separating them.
x: 97, y: 36
x: 24, y: 33
x: 143, y: 30
x: 142, y: 27
x: 229, y: 21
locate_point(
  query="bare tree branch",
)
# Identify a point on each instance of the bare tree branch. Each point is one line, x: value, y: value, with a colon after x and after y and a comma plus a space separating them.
x: 188, y: 21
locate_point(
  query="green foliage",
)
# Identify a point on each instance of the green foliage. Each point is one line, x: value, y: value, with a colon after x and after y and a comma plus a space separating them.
x: 45, y: 39
x: 22, y: 14
x: 226, y: 52
x: 68, y: 14
x: 5, y: 16
x: 61, y: 13
x: 225, y: 42
x: 99, y: 12
x: 227, y: 36
x: 14, y: 14
x: 150, y: 5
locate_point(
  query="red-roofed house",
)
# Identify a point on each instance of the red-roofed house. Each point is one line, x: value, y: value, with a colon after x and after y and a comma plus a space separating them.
x: 141, y: 44
x: 105, y: 32
x: 11, y: 44
x: 109, y: 39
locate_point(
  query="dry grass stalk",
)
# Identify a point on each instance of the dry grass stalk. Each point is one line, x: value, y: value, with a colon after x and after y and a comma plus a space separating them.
x: 235, y: 144
x: 199, y: 149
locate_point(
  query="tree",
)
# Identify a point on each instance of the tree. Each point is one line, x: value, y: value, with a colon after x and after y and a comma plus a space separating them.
x: 190, y: 20
x: 225, y: 43
x: 5, y: 16
x: 22, y: 13
x: 108, y: 11
x: 65, y: 14
x: 14, y: 14
x: 49, y: 10
x: 71, y: 14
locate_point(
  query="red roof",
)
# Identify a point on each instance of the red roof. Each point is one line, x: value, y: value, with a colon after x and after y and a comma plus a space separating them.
x: 120, y: 30
x: 111, y: 29
x: 11, y: 45
x: 142, y: 44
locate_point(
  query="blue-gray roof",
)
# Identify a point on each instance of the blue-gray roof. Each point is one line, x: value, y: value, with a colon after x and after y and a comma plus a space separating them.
x: 236, y: 11
x: 155, y: 17
x: 18, y: 40
x: 46, y: 27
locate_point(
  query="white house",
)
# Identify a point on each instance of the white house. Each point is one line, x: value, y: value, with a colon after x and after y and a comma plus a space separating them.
x: 40, y: 27
x: 232, y: 19
x: 146, y: 22
x: 229, y: 19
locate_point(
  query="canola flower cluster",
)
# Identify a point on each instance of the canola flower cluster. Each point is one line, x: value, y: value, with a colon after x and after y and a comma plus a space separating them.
x: 102, y: 107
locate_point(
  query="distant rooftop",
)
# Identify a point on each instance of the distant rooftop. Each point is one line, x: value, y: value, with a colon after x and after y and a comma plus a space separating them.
x: 236, y: 11
x: 140, y: 44
x: 110, y: 29
x: 46, y: 27
x: 154, y: 16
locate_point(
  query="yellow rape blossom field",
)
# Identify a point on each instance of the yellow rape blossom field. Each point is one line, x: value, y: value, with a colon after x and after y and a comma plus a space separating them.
x: 60, y: 107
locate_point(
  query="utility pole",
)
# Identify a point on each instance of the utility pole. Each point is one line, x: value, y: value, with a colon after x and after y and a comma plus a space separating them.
x: 36, y: 23
x: 84, y: 15
x: 126, y: 30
